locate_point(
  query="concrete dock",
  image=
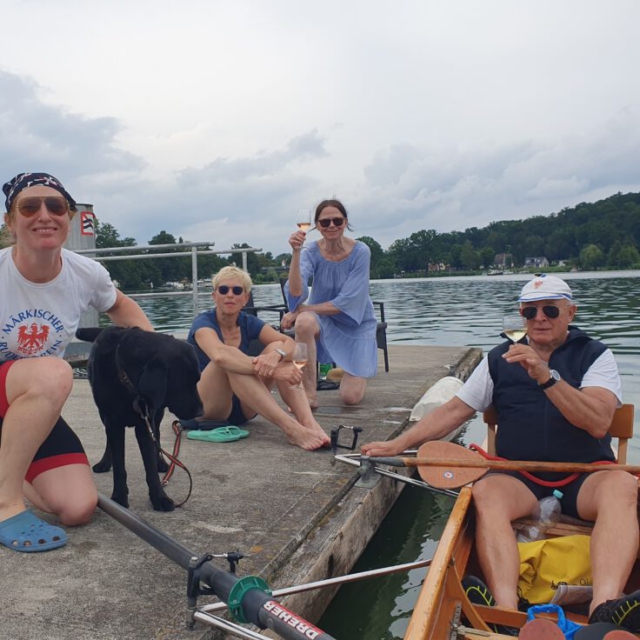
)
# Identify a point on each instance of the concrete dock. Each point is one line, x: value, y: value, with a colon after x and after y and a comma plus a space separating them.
x: 297, y: 517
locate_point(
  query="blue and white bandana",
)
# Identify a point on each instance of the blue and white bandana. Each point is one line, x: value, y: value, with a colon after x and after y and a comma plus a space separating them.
x: 23, y: 180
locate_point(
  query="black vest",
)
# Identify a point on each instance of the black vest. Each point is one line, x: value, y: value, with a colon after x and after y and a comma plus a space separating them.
x: 530, y: 426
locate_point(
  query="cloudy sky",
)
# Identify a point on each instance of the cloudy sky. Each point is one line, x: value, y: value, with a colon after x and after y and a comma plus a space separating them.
x: 219, y: 120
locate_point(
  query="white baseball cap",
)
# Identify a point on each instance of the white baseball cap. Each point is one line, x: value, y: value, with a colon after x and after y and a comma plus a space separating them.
x: 545, y: 287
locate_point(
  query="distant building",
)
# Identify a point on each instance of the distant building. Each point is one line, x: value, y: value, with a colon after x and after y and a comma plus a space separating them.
x: 503, y: 260
x: 536, y: 262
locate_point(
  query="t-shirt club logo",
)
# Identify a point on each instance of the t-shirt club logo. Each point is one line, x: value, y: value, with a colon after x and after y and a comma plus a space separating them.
x: 31, y: 339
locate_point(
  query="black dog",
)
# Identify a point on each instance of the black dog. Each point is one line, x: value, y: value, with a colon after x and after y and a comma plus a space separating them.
x: 133, y: 374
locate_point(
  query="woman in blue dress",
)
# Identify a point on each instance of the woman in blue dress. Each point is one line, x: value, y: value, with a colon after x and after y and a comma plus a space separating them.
x: 234, y: 386
x: 336, y: 319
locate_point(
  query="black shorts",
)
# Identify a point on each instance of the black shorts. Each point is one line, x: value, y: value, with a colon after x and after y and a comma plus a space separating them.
x: 569, y: 491
x: 237, y: 417
x: 61, y: 448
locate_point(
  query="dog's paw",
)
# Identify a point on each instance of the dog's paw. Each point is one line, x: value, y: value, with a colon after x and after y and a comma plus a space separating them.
x: 163, y: 503
x: 123, y: 501
x: 101, y: 467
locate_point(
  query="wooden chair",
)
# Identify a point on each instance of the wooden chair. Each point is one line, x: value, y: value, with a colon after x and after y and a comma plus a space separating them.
x: 621, y: 428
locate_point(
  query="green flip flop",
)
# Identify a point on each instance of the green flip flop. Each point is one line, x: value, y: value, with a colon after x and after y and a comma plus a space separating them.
x: 221, y: 434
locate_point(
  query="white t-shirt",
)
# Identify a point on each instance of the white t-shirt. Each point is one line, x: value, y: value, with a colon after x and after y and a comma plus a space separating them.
x: 41, y: 319
x: 477, y: 391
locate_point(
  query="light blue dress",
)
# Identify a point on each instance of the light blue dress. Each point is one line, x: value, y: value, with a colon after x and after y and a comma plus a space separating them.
x: 347, y: 338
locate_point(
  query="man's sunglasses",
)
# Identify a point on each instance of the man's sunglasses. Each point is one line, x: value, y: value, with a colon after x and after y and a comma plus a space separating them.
x: 325, y: 222
x: 56, y: 205
x: 549, y: 310
x: 223, y: 289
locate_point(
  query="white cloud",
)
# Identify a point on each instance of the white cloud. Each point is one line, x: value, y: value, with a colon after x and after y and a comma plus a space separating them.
x: 218, y: 121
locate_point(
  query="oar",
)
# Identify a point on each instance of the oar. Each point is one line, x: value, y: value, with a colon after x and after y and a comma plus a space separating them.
x: 445, y: 465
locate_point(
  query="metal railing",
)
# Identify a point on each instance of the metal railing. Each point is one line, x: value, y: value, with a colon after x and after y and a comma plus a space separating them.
x: 195, y: 249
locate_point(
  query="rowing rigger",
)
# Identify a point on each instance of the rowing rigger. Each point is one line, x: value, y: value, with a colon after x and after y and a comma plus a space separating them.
x: 249, y: 599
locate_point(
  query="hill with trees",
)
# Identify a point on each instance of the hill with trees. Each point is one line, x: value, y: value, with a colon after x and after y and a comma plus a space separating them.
x: 589, y: 236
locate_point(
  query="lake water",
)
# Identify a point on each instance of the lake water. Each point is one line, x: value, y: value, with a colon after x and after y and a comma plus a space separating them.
x: 453, y: 311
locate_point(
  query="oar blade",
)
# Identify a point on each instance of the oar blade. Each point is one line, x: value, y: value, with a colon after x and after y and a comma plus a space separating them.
x: 448, y: 477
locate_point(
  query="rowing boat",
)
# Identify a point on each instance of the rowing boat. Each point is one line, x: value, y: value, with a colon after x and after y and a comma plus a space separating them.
x: 443, y: 612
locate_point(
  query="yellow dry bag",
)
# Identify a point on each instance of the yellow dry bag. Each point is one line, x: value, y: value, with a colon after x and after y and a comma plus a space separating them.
x: 545, y: 564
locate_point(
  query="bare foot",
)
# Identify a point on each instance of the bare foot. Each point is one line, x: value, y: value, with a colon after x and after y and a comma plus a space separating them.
x: 10, y: 510
x: 306, y: 438
x: 316, y: 429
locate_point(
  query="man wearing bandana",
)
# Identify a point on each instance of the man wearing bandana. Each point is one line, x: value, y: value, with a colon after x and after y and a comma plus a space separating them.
x: 45, y: 289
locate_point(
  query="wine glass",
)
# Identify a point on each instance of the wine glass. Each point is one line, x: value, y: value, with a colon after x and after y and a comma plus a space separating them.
x: 304, y: 220
x: 514, y: 327
x: 300, y: 357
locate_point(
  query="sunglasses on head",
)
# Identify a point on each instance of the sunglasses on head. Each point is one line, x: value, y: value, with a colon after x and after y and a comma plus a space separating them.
x: 549, y: 310
x: 325, y: 222
x: 223, y: 289
x: 56, y: 205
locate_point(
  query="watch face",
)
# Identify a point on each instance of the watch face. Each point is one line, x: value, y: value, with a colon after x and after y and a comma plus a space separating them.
x: 554, y: 377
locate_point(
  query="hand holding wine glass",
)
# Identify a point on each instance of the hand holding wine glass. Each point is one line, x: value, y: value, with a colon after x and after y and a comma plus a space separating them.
x: 514, y: 327
x: 300, y: 357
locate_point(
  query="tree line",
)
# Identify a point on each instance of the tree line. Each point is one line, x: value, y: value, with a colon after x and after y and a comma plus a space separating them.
x: 589, y: 236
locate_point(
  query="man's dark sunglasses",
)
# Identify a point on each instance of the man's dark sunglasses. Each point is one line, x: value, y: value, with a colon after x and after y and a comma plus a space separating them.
x: 325, y: 222
x: 223, y: 289
x: 549, y: 310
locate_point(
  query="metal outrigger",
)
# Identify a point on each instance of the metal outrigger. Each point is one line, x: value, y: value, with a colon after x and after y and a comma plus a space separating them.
x: 332, y: 582
x: 249, y: 599
x: 370, y: 473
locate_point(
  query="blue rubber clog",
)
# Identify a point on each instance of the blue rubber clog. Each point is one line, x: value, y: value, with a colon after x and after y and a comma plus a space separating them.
x: 28, y: 533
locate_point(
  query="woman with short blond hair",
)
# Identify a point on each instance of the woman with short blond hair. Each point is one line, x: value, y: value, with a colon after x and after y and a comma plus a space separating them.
x: 234, y: 386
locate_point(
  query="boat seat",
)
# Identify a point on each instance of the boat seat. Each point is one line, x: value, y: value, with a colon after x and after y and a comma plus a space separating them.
x: 621, y: 428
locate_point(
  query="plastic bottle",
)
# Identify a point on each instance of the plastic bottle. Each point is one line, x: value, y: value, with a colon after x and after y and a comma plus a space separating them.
x: 546, y: 515
x: 324, y: 370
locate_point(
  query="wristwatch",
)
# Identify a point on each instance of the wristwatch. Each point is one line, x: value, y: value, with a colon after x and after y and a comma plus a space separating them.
x: 555, y: 377
x: 283, y: 354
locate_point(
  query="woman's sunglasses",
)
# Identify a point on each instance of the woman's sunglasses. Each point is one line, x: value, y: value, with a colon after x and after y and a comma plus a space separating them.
x: 30, y: 206
x: 325, y: 222
x: 549, y: 310
x: 223, y: 289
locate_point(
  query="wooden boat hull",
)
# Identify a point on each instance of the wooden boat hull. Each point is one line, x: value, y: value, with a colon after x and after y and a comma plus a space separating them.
x: 442, y: 611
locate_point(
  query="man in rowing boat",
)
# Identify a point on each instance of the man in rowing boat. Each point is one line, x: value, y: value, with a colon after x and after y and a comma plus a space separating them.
x: 555, y: 392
